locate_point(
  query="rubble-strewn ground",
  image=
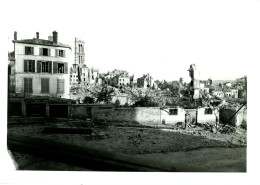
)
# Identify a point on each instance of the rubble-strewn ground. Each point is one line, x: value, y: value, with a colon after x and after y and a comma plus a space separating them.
x: 159, y: 142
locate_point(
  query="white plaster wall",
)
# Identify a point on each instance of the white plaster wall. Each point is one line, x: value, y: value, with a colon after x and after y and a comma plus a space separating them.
x: 37, y: 84
x: 173, y: 119
x: 207, y: 118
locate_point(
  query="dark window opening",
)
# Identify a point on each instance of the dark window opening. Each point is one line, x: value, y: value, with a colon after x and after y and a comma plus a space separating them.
x: 208, y: 111
x: 45, y: 52
x: 28, y: 50
x: 173, y: 111
x: 60, y: 68
x: 61, y: 53
x: 45, y: 67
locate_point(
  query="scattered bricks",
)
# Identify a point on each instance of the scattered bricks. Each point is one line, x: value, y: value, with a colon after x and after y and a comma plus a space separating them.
x: 214, y: 130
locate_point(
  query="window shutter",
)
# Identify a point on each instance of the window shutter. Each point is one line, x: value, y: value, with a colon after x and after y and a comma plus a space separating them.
x: 38, y: 66
x: 25, y: 65
x: 25, y: 83
x: 32, y: 50
x: 41, y: 51
x: 64, y: 53
x: 30, y: 85
x: 33, y: 66
x: 60, y: 85
x: 55, y: 67
x: 49, y: 52
x: 56, y: 52
x: 66, y: 68
x: 50, y: 66
x: 44, y: 85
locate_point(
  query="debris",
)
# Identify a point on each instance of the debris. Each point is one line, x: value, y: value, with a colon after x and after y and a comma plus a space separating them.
x: 214, y: 129
x: 226, y: 129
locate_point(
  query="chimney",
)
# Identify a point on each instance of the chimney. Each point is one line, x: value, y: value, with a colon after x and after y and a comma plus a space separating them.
x: 50, y: 38
x: 15, y: 35
x: 181, y: 81
x: 55, y: 37
x: 37, y: 35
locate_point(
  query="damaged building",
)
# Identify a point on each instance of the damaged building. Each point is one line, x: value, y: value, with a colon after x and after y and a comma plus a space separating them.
x: 80, y: 73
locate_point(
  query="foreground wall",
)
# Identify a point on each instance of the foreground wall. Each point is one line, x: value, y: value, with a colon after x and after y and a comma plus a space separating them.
x: 239, y: 119
x: 212, y: 119
x: 141, y: 115
x: 145, y: 115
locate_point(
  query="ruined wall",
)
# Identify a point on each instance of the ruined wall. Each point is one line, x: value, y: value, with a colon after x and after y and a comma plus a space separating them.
x: 239, y: 119
x: 173, y: 119
x: 207, y: 118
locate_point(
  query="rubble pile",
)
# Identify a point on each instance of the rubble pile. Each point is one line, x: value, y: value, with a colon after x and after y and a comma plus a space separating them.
x: 226, y: 129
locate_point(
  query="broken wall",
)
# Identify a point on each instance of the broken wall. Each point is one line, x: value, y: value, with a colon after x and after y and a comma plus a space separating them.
x: 202, y: 117
x: 239, y: 119
x: 173, y: 119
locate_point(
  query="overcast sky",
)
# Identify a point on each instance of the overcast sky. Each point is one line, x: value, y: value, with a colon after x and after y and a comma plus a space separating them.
x: 158, y: 37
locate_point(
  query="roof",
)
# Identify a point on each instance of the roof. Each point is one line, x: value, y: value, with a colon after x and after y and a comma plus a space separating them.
x: 41, y: 42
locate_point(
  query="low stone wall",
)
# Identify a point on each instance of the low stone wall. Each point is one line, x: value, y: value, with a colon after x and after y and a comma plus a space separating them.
x: 141, y: 115
x: 84, y: 111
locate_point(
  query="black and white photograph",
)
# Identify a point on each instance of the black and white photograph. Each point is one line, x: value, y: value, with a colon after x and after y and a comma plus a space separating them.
x: 116, y: 87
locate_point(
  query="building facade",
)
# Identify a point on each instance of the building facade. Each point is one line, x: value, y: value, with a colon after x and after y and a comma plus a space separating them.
x: 41, y: 66
x: 146, y: 81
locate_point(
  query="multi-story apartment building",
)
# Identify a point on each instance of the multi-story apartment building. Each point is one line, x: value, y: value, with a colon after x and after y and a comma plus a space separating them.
x: 41, y: 66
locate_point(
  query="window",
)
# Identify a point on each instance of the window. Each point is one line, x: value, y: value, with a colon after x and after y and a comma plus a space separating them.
x: 173, y: 111
x: 60, y: 85
x: 28, y: 50
x: 44, y: 67
x: 29, y: 66
x: 45, y: 52
x: 61, y: 53
x: 208, y: 111
x: 28, y: 85
x: 60, y: 68
x: 45, y: 85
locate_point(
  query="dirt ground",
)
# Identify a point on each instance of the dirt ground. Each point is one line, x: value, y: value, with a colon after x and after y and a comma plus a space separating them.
x: 191, y: 146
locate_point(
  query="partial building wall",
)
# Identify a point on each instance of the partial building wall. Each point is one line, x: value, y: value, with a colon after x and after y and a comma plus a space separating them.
x: 202, y: 117
x: 168, y: 118
x: 239, y: 119
x: 141, y: 115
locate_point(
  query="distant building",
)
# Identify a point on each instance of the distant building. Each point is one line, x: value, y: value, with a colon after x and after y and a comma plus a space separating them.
x: 124, y: 80
x: 195, y: 83
x: 80, y: 73
x: 218, y: 91
x: 40, y: 67
x: 146, y: 81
